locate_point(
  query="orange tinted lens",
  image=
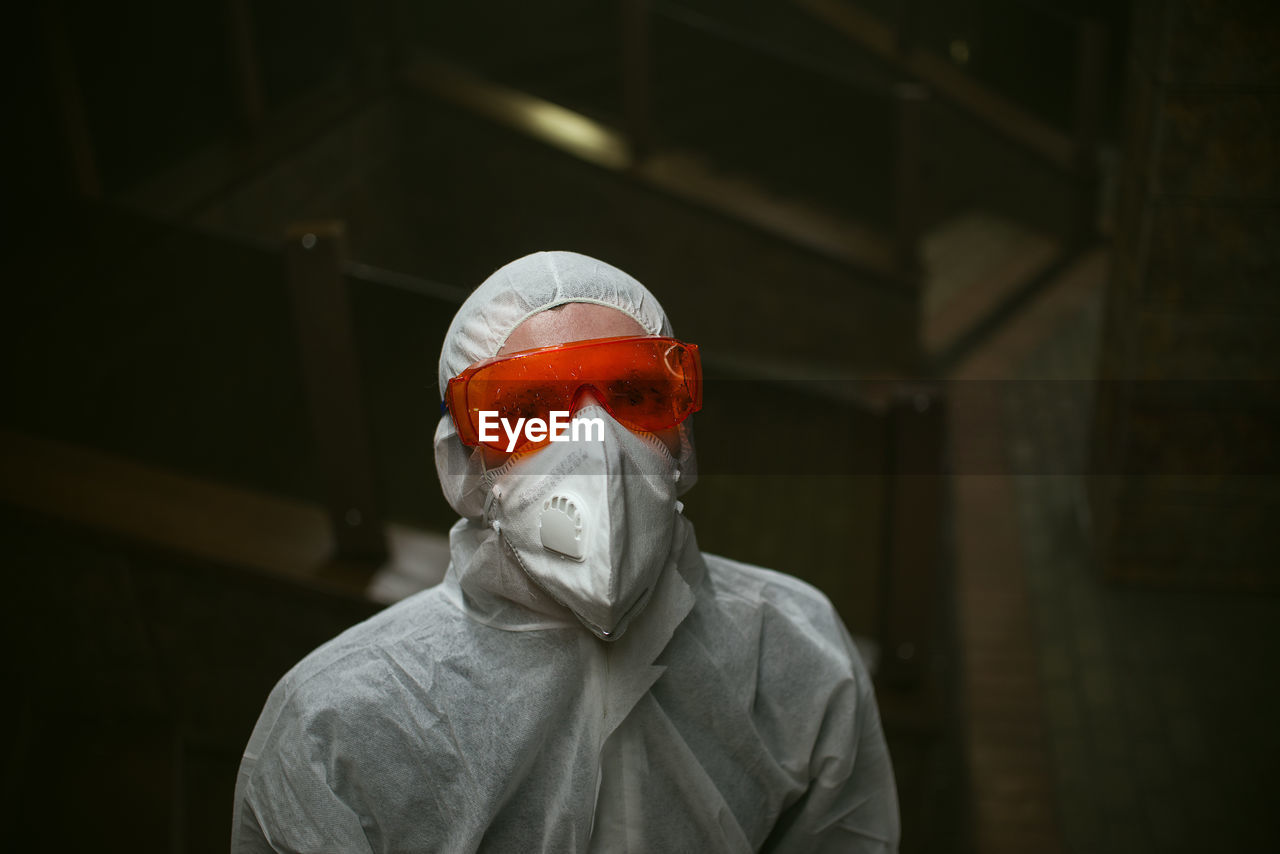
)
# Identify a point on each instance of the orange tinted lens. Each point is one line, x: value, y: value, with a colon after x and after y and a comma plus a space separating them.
x: 657, y: 391
x: 645, y: 383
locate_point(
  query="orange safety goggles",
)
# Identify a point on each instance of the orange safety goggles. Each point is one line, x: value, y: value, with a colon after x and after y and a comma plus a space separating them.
x: 645, y: 383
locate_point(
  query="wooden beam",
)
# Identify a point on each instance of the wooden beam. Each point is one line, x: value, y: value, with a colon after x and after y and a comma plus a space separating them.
x: 244, y: 65
x: 317, y: 258
x: 947, y: 81
x: 636, y: 89
x: 83, y: 162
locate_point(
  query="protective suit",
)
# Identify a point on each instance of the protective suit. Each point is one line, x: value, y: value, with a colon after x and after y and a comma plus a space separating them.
x: 728, y: 711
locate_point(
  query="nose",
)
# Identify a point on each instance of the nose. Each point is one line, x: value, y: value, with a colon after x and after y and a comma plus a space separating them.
x: 586, y: 397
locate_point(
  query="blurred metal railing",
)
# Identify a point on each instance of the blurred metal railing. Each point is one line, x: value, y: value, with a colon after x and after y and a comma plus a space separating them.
x: 900, y: 39
x: 906, y: 99
x: 1070, y: 143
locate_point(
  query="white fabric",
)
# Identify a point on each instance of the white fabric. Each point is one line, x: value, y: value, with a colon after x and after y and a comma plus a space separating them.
x: 733, y: 715
x: 590, y: 521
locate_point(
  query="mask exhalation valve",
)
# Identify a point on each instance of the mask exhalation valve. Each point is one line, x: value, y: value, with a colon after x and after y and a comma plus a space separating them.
x: 561, y: 526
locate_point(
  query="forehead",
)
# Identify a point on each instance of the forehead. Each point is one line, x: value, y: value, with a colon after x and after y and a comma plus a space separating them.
x: 575, y: 321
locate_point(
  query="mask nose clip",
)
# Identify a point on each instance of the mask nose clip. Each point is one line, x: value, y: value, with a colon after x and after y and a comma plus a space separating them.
x: 560, y: 526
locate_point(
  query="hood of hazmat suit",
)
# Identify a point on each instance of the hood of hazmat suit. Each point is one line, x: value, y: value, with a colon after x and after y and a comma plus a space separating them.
x: 723, y: 708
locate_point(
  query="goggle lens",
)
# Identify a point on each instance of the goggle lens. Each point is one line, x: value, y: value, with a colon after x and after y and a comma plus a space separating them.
x: 646, y: 383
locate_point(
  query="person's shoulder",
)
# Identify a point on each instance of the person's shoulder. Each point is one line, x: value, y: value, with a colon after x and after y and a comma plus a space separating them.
x: 363, y: 700
x: 787, y: 610
x: 353, y: 669
x: 757, y: 585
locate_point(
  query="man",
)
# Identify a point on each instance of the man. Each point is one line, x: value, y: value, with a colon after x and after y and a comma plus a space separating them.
x: 584, y: 679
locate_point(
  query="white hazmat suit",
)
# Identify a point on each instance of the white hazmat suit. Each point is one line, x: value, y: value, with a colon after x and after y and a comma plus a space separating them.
x: 730, y: 712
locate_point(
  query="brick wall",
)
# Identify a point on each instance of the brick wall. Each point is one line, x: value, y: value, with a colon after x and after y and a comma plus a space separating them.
x: 1184, y: 441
